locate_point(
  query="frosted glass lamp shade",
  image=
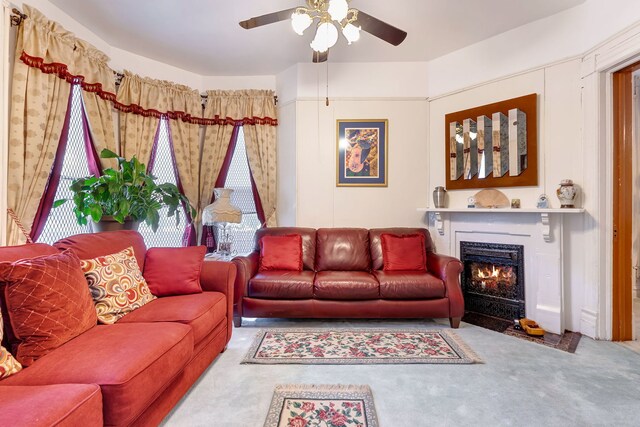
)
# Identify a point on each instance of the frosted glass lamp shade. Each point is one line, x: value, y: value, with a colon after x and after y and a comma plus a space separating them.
x: 221, y: 210
x: 338, y: 9
x: 326, y: 37
x: 351, y: 33
x: 300, y: 22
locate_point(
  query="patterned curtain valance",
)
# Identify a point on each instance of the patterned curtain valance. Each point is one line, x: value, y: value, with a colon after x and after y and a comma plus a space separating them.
x: 47, y: 45
x: 156, y: 98
x: 240, y: 107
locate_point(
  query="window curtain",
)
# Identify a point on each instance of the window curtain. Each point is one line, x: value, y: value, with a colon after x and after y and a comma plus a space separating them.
x: 39, y: 100
x: 255, y: 111
x: 260, y: 139
x: 221, y: 114
x: 142, y: 102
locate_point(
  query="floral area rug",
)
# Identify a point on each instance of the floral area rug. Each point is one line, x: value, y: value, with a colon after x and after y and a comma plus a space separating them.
x: 353, y: 347
x: 322, y: 406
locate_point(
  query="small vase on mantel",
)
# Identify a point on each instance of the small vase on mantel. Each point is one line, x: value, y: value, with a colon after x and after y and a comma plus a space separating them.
x: 567, y: 193
x: 439, y: 195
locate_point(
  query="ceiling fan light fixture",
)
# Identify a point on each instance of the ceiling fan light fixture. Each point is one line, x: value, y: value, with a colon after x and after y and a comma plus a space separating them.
x: 351, y: 33
x: 338, y: 9
x: 300, y: 21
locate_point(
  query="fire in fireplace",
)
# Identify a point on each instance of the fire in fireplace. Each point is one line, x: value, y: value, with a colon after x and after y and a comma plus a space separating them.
x: 493, y: 279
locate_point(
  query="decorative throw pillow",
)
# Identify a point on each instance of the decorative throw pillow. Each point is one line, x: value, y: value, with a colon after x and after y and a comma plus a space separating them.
x: 8, y: 364
x: 116, y: 285
x: 403, y: 252
x: 47, y: 303
x: 281, y: 253
x: 174, y: 271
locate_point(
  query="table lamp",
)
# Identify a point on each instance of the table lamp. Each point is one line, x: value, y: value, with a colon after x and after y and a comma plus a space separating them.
x: 221, y: 213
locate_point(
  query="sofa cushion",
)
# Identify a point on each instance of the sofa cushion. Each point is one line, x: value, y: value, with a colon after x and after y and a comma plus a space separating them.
x: 8, y: 364
x: 203, y: 312
x: 14, y: 253
x: 403, y: 252
x: 93, y: 245
x: 308, y: 236
x: 58, y: 405
x: 282, y: 285
x: 174, y: 271
x: 116, y: 285
x: 409, y: 285
x: 376, y: 242
x: 131, y: 362
x: 47, y: 303
x: 346, y: 285
x: 342, y: 249
x: 281, y: 253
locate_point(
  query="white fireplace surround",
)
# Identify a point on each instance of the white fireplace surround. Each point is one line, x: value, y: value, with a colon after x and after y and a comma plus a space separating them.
x: 543, y: 258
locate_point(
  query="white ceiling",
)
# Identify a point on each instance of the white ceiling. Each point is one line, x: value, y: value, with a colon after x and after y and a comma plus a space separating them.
x: 203, y: 36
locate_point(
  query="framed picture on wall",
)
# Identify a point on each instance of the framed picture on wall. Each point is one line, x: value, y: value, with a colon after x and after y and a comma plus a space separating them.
x: 361, y: 159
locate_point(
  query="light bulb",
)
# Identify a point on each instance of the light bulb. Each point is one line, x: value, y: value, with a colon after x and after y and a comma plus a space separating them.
x: 338, y: 9
x: 300, y: 22
x: 351, y: 33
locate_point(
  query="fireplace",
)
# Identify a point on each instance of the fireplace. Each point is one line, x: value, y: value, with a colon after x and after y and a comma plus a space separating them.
x: 493, y: 279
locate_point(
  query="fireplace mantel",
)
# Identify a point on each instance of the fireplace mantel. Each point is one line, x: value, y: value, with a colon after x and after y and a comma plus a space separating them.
x: 544, y: 215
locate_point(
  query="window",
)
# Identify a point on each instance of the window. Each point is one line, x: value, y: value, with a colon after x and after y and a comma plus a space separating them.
x: 239, y: 179
x: 168, y: 234
x: 61, y: 221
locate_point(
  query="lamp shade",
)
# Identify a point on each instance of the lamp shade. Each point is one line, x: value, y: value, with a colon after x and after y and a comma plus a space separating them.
x: 221, y: 210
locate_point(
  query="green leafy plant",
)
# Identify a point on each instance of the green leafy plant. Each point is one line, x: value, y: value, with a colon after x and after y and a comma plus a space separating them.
x: 123, y: 193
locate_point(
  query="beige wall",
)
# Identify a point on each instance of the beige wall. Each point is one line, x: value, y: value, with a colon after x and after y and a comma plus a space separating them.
x: 321, y: 204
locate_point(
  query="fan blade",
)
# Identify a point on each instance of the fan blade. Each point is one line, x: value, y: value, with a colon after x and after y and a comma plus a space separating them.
x: 320, y: 56
x: 380, y: 29
x: 269, y: 18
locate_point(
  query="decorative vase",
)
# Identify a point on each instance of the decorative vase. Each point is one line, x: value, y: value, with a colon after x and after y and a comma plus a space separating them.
x: 439, y: 195
x: 108, y: 223
x: 566, y: 193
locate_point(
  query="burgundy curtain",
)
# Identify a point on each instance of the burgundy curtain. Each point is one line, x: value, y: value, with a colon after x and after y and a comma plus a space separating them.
x: 208, y: 231
x: 46, y: 202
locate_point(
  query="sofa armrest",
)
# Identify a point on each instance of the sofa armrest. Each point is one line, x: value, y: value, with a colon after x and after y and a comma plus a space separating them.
x: 247, y: 267
x: 448, y: 269
x: 218, y: 276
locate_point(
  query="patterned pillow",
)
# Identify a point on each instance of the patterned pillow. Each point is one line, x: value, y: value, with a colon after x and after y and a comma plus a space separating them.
x: 8, y: 364
x: 116, y: 285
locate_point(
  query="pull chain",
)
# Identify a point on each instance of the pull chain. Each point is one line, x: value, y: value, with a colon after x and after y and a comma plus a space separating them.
x: 327, y: 83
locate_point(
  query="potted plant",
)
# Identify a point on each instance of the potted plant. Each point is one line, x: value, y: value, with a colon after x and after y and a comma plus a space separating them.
x: 121, y: 198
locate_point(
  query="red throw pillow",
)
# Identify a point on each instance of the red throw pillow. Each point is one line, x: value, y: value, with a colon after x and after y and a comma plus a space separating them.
x: 48, y: 303
x: 403, y: 252
x: 281, y: 253
x: 174, y: 271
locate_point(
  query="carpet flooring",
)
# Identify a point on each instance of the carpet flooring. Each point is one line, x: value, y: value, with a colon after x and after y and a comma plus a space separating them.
x: 520, y: 383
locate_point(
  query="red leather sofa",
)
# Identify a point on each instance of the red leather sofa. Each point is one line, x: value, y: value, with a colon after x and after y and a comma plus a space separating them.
x: 132, y: 372
x: 343, y: 277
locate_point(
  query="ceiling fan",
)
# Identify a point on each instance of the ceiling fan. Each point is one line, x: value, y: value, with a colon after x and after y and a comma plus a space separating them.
x: 330, y: 14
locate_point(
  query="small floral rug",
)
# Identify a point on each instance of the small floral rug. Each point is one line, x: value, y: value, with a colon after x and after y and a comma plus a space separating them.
x: 322, y: 406
x: 353, y: 347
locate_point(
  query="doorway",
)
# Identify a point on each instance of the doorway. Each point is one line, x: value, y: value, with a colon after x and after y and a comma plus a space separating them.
x: 626, y: 203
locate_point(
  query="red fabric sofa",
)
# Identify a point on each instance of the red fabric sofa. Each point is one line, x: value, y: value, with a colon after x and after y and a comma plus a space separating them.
x: 343, y: 277
x: 132, y: 372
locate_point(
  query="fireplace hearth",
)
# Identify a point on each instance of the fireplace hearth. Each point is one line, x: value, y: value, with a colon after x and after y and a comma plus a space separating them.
x: 493, y: 279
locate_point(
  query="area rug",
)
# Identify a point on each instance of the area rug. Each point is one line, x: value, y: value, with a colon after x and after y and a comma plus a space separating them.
x: 354, y: 347
x: 568, y: 341
x: 322, y: 406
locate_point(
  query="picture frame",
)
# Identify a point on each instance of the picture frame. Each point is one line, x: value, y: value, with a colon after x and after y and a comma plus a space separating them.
x: 361, y: 152
x: 511, y: 121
